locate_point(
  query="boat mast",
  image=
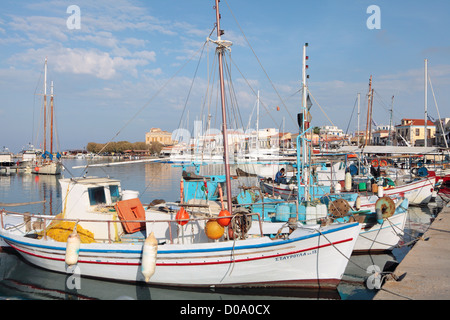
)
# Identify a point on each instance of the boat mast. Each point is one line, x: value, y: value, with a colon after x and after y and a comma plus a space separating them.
x: 45, y: 105
x: 221, y: 47
x: 51, y: 118
x: 426, y: 107
x: 368, y: 112
x: 390, y: 124
x: 359, y: 112
x: 257, y: 126
x: 304, y: 128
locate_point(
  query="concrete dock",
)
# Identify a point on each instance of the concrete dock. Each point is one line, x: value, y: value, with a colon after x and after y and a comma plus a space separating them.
x: 426, y: 268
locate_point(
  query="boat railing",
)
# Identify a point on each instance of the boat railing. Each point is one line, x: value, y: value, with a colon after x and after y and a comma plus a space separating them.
x: 44, y: 222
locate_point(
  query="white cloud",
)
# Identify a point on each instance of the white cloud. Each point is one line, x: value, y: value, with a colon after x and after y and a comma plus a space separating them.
x: 40, y: 29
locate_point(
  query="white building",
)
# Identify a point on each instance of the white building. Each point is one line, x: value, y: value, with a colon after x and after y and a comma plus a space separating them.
x: 331, y: 131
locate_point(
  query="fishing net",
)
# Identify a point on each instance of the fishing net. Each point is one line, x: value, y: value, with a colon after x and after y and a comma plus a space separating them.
x: 61, y: 231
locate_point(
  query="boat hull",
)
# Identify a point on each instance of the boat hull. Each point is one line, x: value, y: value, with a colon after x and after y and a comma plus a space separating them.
x: 381, y: 237
x: 307, y: 259
x: 417, y: 192
x: 52, y: 168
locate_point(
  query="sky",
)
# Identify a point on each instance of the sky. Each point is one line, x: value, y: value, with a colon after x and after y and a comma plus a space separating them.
x: 123, y: 67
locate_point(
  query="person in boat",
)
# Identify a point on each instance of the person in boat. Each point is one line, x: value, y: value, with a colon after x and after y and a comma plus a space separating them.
x: 280, y: 177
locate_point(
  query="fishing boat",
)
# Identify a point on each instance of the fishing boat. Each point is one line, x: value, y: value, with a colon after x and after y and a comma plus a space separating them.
x: 301, y: 206
x: 186, y: 255
x: 46, y: 164
x: 444, y: 189
x: 7, y: 164
x: 103, y: 234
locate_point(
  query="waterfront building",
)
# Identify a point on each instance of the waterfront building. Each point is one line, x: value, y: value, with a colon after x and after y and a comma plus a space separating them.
x: 158, y: 135
x: 411, y: 132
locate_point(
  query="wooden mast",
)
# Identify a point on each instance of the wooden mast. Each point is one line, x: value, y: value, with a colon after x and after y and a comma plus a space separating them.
x: 371, y: 114
x: 368, y: 112
x: 221, y: 47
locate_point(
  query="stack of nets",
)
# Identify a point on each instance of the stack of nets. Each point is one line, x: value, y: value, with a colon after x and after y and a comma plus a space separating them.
x: 60, y: 232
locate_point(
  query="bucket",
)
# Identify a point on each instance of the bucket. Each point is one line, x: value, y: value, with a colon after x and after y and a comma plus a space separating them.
x: 129, y: 194
x: 374, y: 188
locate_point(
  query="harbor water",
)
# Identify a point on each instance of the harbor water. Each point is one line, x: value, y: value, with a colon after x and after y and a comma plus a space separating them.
x: 20, y: 280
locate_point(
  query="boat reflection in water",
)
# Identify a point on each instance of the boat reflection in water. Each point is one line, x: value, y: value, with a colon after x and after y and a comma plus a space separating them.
x: 20, y: 280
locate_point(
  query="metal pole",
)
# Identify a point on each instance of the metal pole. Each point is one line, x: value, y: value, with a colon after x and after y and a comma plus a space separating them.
x: 425, y: 135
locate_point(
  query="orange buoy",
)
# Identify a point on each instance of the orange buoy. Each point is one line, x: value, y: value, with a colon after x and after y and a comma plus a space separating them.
x: 383, y: 163
x: 182, y: 215
x: 224, y: 222
x: 214, y: 230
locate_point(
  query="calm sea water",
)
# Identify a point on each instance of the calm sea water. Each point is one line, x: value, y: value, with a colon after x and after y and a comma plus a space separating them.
x: 20, y: 280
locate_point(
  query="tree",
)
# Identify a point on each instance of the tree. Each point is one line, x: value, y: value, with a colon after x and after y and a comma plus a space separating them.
x: 155, y: 147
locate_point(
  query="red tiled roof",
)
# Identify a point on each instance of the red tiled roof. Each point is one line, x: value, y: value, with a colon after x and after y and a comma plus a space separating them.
x: 417, y: 122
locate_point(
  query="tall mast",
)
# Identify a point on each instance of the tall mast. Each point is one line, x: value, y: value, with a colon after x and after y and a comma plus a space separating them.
x: 45, y: 105
x: 359, y: 112
x: 371, y: 115
x: 257, y: 126
x: 221, y: 47
x: 51, y: 118
x: 426, y: 102
x: 368, y: 112
x: 390, y: 124
x: 304, y: 128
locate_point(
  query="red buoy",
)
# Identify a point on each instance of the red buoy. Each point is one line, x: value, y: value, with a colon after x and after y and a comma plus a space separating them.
x: 224, y: 221
x: 182, y: 215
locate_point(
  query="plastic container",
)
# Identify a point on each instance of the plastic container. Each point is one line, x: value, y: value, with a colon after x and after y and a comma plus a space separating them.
x: 283, y: 213
x: 130, y: 194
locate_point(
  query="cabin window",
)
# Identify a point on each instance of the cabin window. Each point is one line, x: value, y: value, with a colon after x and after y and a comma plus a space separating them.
x: 115, y: 194
x: 97, y: 196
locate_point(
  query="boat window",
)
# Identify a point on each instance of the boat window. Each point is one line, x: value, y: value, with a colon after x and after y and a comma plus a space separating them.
x: 97, y: 196
x: 115, y: 194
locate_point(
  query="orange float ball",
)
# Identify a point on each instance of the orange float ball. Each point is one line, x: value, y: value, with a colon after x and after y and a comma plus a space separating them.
x: 224, y: 222
x: 181, y: 215
x: 214, y: 230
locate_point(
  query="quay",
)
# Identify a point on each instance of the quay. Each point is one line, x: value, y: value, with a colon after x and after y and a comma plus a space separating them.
x: 424, y: 272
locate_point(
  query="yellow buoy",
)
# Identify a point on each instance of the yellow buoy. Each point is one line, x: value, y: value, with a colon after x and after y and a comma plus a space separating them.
x: 73, y: 248
x: 214, y: 230
x: 149, y: 252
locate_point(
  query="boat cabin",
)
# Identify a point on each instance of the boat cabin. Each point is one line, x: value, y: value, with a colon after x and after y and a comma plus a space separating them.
x: 93, y: 199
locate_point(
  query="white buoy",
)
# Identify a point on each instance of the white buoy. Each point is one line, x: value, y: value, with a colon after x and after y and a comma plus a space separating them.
x: 337, y: 188
x: 380, y: 192
x: 73, y: 248
x: 358, y: 203
x: 149, y: 253
x: 348, y: 182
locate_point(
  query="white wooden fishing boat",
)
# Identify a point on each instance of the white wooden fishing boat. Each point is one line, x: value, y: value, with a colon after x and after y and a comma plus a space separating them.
x: 418, y: 192
x: 186, y: 256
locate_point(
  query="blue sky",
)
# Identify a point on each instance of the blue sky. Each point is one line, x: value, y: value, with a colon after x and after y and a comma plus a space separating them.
x: 106, y: 73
